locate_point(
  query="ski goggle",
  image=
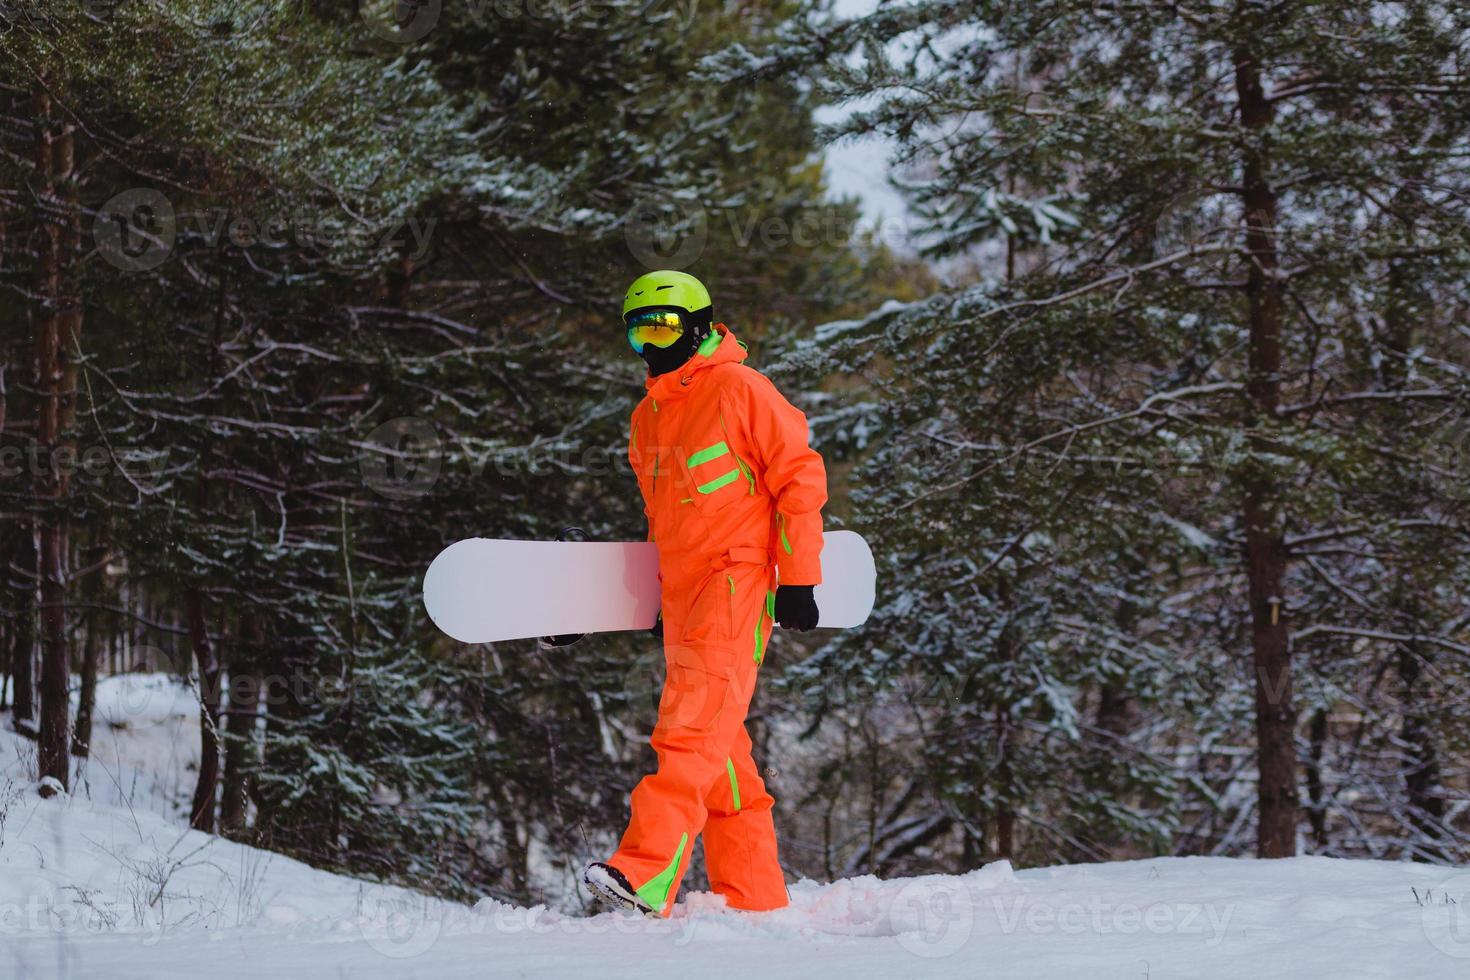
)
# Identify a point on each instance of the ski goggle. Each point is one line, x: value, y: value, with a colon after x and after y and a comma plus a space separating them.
x: 657, y: 327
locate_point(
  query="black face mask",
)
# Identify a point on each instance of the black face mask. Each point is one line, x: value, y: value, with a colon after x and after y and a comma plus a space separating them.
x: 662, y: 360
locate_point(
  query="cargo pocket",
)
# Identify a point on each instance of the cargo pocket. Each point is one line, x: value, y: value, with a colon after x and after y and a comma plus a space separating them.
x: 705, y: 693
x: 711, y: 616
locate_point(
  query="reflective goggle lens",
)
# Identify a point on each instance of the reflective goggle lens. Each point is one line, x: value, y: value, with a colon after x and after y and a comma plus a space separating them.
x: 657, y: 327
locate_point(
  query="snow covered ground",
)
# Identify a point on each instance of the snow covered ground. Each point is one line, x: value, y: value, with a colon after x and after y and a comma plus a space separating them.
x: 112, y: 887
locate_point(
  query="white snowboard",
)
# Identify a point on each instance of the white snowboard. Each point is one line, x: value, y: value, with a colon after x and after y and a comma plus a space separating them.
x: 481, y: 590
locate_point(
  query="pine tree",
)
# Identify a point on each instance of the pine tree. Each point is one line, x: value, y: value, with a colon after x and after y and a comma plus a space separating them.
x: 1159, y: 433
x: 357, y: 302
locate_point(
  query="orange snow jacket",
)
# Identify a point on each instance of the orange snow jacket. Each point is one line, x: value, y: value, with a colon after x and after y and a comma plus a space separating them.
x: 725, y: 470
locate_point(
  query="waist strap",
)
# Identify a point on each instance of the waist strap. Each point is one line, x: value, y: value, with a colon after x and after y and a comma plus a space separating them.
x: 747, y: 556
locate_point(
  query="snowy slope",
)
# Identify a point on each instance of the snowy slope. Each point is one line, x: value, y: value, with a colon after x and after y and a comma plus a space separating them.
x: 112, y: 887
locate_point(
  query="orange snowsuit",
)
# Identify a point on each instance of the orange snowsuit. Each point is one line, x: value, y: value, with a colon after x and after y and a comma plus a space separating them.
x: 733, y: 495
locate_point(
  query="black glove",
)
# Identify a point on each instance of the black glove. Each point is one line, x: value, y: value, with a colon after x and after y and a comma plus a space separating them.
x: 657, y: 629
x: 796, y: 607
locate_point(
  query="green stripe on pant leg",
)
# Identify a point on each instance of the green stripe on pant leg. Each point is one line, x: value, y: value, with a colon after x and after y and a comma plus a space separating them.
x: 768, y: 612
x: 655, y: 891
x: 734, y: 785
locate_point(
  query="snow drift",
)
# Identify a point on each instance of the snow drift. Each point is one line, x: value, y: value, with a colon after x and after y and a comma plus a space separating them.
x: 107, y: 883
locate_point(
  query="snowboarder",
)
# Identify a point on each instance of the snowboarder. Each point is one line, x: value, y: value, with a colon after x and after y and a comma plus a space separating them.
x: 733, y: 496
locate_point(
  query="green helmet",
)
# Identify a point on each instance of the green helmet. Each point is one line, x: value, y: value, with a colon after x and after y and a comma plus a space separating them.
x: 666, y: 288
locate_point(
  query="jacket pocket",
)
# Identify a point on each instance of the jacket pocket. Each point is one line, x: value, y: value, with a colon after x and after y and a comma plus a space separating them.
x: 716, y: 476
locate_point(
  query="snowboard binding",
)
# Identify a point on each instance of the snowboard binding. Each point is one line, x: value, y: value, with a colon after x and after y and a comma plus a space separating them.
x: 564, y: 639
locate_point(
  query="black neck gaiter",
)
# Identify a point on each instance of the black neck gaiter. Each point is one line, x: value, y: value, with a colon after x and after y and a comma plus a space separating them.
x: 662, y: 360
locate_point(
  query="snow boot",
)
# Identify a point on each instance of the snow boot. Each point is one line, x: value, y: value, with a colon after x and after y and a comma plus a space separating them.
x: 611, y: 887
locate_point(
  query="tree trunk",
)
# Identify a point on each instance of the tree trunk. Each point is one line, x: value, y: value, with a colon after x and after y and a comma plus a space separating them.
x: 58, y: 331
x: 23, y: 636
x: 7, y: 635
x: 240, y: 725
x: 287, y: 693
x: 206, y: 659
x: 1408, y: 304
x: 1316, y: 790
x: 1005, y: 817
x: 201, y: 811
x: 517, y: 852
x: 241, y: 722
x: 1426, y: 808
x: 1114, y: 707
x: 1265, y: 544
x: 81, y: 737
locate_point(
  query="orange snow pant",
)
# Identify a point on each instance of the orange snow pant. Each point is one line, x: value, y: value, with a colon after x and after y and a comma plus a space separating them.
x: 715, y: 635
